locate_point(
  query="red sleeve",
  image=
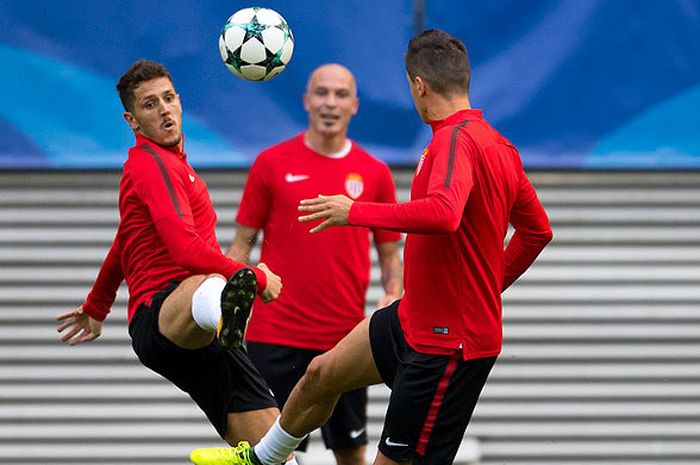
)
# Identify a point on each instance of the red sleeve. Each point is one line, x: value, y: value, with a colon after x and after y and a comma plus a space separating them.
x: 100, y: 299
x: 449, y: 185
x: 532, y: 232
x: 167, y: 202
x: 386, y: 194
x: 256, y: 198
x: 190, y: 252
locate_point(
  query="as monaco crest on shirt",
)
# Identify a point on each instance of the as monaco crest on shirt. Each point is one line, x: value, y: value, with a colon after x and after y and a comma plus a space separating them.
x: 354, y: 185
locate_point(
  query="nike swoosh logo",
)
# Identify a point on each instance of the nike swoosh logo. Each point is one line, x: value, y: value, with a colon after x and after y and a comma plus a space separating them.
x: 356, y: 433
x: 191, y: 178
x: 391, y: 443
x: 289, y: 177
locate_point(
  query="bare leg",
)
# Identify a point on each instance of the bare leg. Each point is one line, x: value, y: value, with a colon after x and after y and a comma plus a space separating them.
x: 349, y: 365
x: 176, y: 323
x: 175, y: 320
x: 350, y: 455
x: 250, y: 426
x: 382, y: 459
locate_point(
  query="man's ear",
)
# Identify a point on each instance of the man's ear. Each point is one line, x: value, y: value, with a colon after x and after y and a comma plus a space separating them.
x: 356, y: 106
x: 305, y: 100
x: 421, y: 85
x: 131, y: 121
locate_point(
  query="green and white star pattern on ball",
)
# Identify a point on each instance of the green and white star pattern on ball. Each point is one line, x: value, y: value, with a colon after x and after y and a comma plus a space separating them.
x: 256, y: 44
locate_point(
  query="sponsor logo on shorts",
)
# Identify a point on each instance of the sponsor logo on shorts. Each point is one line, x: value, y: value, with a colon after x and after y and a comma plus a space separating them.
x: 441, y: 330
x: 391, y: 443
x: 356, y: 433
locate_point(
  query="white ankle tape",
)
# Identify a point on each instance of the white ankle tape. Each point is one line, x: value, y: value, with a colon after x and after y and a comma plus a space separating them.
x: 276, y: 445
x: 206, y: 303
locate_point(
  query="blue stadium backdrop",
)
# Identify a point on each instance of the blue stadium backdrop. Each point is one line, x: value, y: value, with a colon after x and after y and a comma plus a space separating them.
x: 574, y: 83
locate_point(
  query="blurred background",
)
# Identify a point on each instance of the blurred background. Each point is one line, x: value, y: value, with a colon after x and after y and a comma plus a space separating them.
x: 601, y: 361
x: 574, y: 83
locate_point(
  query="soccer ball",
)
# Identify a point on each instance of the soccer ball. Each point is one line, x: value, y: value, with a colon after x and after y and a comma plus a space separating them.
x: 256, y: 44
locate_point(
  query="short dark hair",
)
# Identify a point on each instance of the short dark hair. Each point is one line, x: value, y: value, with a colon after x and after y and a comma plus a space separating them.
x: 441, y: 60
x: 141, y: 71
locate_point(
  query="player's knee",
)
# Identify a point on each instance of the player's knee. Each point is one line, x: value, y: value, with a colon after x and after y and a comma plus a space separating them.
x: 319, y: 375
x: 316, y: 371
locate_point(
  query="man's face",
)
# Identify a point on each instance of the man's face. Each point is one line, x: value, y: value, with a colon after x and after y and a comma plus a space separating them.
x: 157, y: 113
x: 331, y: 100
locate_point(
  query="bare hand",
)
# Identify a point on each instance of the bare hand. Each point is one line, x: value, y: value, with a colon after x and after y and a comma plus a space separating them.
x: 334, y: 209
x: 79, y: 327
x: 274, y: 284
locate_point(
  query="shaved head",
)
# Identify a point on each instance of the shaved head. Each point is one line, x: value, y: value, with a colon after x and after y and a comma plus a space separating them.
x: 331, y: 102
x: 333, y: 70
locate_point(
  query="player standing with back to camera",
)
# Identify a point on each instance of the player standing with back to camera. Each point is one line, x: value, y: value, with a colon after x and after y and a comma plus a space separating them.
x: 436, y: 346
x: 312, y: 315
x: 166, y: 250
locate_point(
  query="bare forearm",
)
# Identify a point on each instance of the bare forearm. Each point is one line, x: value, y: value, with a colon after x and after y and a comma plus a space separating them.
x: 392, y: 278
x: 243, y: 244
x: 391, y: 268
x: 238, y: 253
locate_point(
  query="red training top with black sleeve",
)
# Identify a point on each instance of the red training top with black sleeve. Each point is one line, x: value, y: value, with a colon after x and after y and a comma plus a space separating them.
x: 468, y: 186
x: 166, y: 230
x: 325, y: 275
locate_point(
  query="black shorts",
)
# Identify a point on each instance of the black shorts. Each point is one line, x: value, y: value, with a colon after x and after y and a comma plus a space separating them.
x: 432, y: 398
x: 220, y: 381
x: 283, y: 366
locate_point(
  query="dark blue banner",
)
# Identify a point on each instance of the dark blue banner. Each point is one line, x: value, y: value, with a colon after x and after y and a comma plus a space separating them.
x: 573, y: 83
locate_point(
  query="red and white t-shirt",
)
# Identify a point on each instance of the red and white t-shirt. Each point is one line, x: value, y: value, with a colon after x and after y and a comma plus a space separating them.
x: 166, y: 230
x: 468, y: 186
x: 325, y: 276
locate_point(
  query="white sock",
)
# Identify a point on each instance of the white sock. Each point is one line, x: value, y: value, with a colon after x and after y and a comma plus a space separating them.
x: 292, y: 462
x: 206, y: 303
x: 276, y: 445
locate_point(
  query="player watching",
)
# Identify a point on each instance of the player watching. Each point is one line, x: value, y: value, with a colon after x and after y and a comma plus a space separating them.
x: 312, y: 315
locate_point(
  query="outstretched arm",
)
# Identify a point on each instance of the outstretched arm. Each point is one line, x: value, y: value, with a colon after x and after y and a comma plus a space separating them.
x: 438, y: 213
x: 448, y: 188
x: 84, y: 323
x: 101, y: 298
